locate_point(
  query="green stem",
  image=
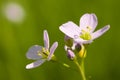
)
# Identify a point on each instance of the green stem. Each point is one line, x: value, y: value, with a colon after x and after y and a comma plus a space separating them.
x: 81, y: 69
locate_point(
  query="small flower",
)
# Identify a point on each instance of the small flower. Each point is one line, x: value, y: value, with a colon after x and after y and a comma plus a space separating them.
x: 84, y: 34
x: 41, y: 54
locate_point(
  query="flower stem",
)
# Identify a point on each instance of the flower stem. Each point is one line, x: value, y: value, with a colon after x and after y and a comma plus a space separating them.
x: 81, y: 69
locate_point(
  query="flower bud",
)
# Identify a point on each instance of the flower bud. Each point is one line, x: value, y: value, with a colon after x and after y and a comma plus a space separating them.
x: 68, y: 41
x: 70, y: 54
x: 77, y: 47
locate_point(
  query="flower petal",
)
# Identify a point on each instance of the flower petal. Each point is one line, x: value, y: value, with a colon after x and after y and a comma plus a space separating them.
x: 70, y: 29
x: 100, y: 32
x: 81, y: 41
x: 46, y: 39
x: 88, y: 20
x: 35, y: 64
x: 33, y: 52
x: 52, y: 49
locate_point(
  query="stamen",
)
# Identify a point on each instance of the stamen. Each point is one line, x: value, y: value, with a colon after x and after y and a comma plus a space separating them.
x: 44, y: 53
x: 86, y: 34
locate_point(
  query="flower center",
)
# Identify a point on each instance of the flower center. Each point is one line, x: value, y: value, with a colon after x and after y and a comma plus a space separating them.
x: 86, y: 33
x: 44, y: 53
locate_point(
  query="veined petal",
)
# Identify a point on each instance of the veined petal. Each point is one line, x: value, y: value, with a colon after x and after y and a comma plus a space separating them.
x: 88, y: 20
x: 46, y: 39
x: 35, y: 64
x: 100, y: 32
x: 70, y: 29
x: 33, y: 52
x: 52, y: 49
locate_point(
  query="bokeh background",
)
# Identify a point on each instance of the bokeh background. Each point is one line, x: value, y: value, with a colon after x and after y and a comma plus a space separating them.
x: 17, y: 35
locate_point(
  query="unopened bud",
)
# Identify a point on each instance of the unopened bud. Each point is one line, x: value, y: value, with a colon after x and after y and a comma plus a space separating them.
x: 68, y: 41
x: 70, y: 54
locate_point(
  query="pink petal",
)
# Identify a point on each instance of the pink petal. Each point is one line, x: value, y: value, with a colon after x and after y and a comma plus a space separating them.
x: 33, y: 52
x: 81, y: 41
x: 70, y: 29
x: 35, y: 64
x: 46, y: 39
x: 88, y: 20
x: 52, y: 49
x: 100, y: 32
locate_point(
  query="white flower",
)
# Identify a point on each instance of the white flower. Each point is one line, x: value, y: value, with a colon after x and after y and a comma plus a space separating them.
x: 41, y: 54
x: 84, y: 33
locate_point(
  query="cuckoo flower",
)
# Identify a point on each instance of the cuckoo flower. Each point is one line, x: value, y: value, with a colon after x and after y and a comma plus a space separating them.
x: 41, y: 54
x: 84, y: 34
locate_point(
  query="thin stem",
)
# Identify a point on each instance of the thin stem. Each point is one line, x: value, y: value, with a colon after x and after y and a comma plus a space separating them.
x: 81, y: 69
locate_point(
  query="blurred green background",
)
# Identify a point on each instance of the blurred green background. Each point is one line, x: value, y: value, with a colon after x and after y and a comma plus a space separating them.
x: 103, y: 57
